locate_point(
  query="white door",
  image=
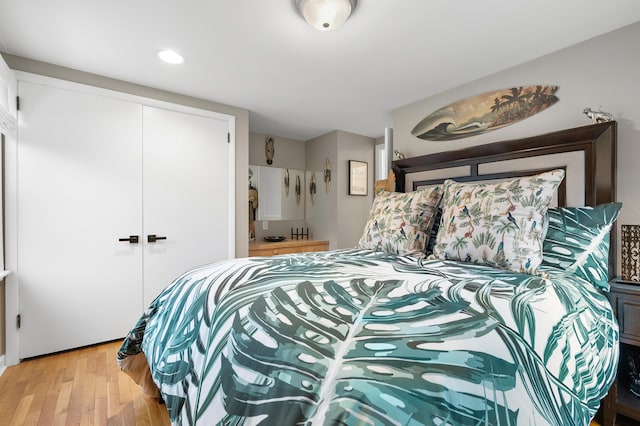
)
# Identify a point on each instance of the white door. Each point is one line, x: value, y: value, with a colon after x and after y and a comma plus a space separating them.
x: 79, y: 190
x: 186, y: 194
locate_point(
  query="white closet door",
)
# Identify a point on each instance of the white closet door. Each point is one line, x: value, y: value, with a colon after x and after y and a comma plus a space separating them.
x: 79, y: 191
x: 186, y: 194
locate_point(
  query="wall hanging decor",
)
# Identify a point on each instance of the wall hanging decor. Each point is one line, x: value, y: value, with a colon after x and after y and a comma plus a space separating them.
x: 286, y: 182
x: 358, y: 177
x: 298, y: 190
x: 269, y: 149
x: 253, y: 205
x: 483, y: 113
x: 327, y: 175
x: 312, y: 188
x: 630, y: 253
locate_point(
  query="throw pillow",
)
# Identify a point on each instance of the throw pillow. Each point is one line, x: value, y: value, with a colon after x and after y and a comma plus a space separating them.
x: 578, y: 241
x: 399, y: 223
x: 498, y: 224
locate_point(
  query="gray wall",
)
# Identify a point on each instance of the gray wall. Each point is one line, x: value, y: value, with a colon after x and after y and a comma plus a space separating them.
x: 336, y: 215
x: 598, y: 73
x: 322, y: 215
x: 353, y: 210
x: 289, y: 154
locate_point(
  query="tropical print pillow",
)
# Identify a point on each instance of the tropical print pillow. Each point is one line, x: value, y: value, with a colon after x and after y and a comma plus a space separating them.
x: 499, y: 224
x: 399, y: 223
x: 578, y: 241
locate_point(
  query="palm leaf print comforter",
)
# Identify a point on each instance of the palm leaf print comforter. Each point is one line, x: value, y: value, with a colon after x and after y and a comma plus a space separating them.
x: 362, y: 337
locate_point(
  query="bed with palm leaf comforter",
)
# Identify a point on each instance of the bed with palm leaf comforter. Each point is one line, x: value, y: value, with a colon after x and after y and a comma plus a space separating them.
x: 356, y: 336
x: 505, y: 324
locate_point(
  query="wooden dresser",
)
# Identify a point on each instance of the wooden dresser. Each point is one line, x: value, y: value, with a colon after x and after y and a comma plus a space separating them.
x: 264, y: 248
x: 625, y: 300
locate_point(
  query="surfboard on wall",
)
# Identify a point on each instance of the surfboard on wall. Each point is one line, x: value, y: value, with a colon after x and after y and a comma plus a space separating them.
x: 485, y: 112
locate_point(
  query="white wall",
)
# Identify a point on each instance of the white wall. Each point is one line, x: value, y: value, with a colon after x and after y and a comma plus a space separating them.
x: 241, y: 135
x: 241, y: 131
x: 599, y: 73
x: 7, y: 103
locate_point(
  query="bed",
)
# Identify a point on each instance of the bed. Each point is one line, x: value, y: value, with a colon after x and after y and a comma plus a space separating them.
x: 501, y: 320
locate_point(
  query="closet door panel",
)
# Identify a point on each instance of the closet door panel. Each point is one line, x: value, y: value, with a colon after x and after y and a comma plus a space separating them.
x: 186, y: 191
x: 79, y: 191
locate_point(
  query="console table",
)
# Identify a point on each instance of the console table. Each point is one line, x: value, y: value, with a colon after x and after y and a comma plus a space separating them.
x: 264, y: 248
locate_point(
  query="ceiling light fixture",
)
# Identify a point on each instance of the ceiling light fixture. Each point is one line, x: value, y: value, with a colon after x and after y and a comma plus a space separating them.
x: 325, y: 15
x: 171, y: 57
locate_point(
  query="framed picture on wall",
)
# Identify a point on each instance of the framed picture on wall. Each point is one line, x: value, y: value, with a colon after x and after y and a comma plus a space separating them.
x: 357, y: 177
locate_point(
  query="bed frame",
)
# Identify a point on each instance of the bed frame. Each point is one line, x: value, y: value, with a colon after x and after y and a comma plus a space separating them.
x: 588, y: 155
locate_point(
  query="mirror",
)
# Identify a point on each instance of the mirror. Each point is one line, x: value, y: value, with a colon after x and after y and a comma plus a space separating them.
x: 280, y: 192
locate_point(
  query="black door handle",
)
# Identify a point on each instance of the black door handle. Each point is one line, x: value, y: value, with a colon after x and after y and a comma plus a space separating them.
x: 133, y: 239
x: 152, y: 238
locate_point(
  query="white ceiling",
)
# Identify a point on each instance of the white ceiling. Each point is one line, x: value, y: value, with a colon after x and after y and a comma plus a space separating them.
x: 295, y: 81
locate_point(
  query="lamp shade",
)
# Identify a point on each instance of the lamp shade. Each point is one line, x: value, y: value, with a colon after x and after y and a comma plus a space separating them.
x: 325, y: 15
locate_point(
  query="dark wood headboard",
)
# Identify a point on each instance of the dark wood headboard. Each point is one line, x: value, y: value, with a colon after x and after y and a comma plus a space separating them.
x: 596, y: 144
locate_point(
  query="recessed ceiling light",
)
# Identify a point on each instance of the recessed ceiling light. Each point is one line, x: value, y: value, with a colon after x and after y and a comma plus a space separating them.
x: 171, y: 57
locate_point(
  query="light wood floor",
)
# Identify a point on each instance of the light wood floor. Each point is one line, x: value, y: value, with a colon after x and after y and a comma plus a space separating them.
x: 80, y: 387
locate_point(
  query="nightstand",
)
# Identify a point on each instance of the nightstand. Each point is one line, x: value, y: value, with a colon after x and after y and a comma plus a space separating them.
x: 625, y: 300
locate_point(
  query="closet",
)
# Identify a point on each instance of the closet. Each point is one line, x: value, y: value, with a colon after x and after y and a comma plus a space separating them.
x: 116, y: 196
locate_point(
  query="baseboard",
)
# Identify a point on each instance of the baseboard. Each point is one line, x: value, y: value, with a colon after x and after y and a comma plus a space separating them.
x: 3, y: 365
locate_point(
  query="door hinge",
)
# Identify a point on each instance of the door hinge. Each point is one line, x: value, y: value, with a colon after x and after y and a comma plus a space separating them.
x: 17, y: 103
x: 228, y: 137
x: 18, y: 320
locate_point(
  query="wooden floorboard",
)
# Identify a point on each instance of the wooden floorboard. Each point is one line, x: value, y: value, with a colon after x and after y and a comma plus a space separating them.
x: 80, y: 387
